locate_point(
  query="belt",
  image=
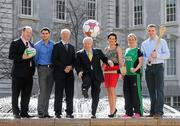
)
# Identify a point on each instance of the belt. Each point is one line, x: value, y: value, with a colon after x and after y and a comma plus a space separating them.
x: 158, y: 64
x: 48, y: 66
x: 116, y: 64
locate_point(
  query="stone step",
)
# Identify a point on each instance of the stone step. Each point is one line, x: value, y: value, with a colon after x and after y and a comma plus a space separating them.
x: 91, y: 122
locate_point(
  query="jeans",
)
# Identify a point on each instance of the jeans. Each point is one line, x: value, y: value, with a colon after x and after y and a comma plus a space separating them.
x: 154, y: 76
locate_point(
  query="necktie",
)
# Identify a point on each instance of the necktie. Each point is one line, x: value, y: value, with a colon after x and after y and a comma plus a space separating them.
x: 66, y: 47
x: 90, y: 55
x: 27, y: 46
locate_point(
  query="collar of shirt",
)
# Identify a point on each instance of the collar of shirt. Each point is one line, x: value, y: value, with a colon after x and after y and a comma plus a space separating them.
x: 64, y: 42
x: 43, y: 42
x: 154, y: 39
x: 24, y: 41
x: 89, y: 51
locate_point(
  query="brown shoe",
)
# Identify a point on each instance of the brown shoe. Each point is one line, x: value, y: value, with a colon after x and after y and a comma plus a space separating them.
x: 157, y: 116
x: 150, y: 115
x: 93, y: 117
x: 17, y: 116
x: 69, y: 116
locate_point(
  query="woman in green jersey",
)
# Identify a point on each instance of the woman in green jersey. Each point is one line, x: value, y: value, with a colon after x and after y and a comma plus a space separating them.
x: 132, y: 80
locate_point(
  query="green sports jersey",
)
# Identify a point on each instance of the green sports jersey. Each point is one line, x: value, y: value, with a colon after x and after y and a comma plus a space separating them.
x: 130, y: 58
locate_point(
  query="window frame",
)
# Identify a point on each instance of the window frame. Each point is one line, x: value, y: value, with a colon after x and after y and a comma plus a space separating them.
x: 174, y: 66
x: 176, y: 103
x: 142, y: 11
x: 95, y: 16
x: 117, y: 14
x: 21, y: 9
x: 55, y: 9
x: 175, y: 14
x: 168, y: 100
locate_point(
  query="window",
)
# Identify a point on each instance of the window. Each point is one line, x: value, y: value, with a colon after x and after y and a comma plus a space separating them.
x: 27, y: 7
x: 176, y: 101
x: 138, y: 12
x: 60, y: 9
x: 91, y: 9
x: 167, y: 100
x: 170, y: 10
x: 117, y: 13
x: 171, y: 62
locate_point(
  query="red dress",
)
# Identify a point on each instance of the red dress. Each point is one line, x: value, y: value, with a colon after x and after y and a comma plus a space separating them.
x: 111, y: 79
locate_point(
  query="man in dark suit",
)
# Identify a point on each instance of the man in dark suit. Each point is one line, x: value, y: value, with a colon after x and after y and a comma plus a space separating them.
x: 88, y: 67
x: 63, y: 58
x: 22, y: 73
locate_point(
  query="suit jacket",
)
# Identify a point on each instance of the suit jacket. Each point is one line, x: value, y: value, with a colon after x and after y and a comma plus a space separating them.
x: 21, y: 67
x: 62, y: 58
x: 84, y: 64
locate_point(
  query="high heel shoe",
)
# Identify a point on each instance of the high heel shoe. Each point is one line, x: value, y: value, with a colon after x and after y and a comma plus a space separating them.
x: 113, y: 115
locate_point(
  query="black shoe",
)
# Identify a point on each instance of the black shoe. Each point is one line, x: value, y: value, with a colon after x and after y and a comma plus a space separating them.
x: 93, y: 117
x: 69, y: 116
x: 150, y: 115
x: 47, y: 116
x: 85, y: 93
x: 58, y: 116
x: 113, y: 115
x: 16, y: 116
x: 26, y: 116
x: 157, y: 116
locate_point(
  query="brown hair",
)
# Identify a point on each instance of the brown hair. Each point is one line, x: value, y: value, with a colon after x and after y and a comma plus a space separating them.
x: 152, y: 26
x: 45, y: 29
x: 113, y: 34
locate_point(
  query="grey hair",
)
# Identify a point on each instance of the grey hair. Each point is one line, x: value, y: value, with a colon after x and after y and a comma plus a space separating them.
x: 65, y: 30
x: 26, y: 27
x: 87, y: 38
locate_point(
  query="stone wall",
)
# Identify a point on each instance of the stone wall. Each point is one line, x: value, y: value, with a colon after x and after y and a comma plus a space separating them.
x: 6, y: 26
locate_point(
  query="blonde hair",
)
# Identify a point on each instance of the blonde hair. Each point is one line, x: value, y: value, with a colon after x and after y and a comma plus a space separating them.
x: 133, y: 36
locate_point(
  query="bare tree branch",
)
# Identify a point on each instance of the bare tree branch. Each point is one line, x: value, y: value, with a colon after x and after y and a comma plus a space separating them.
x: 77, y: 14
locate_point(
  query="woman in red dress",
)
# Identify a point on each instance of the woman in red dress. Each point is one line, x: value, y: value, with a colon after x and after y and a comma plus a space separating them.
x: 114, y: 53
